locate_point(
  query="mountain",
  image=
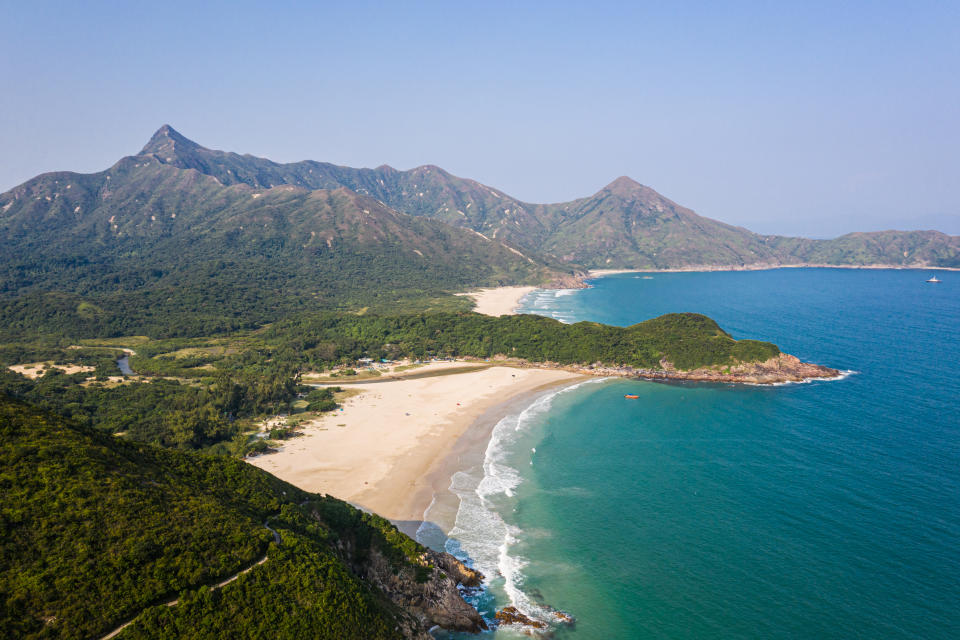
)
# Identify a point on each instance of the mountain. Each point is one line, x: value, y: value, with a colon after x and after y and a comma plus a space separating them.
x: 184, y: 240
x: 155, y: 231
x: 896, y: 248
x: 99, y: 531
x: 629, y: 224
x: 625, y: 224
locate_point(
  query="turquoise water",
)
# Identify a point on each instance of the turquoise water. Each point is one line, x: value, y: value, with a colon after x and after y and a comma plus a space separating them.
x: 819, y: 510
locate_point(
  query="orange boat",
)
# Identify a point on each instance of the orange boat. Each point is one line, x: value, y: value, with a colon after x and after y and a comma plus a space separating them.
x: 631, y: 397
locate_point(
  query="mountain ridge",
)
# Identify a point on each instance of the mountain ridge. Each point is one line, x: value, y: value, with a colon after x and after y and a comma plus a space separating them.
x: 224, y: 241
x: 652, y: 231
x: 145, y: 229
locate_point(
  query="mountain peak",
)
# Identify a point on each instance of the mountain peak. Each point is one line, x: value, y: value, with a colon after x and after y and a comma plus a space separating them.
x: 165, y: 140
x: 623, y: 185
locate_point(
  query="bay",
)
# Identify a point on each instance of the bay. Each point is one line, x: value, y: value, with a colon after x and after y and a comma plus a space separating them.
x: 827, y: 509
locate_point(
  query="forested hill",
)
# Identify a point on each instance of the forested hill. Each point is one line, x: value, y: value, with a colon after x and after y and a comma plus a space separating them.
x: 99, y: 531
x: 160, y: 241
x: 624, y: 224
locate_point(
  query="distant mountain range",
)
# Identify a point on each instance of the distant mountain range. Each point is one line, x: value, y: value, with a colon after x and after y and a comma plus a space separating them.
x: 204, y: 223
x: 625, y: 224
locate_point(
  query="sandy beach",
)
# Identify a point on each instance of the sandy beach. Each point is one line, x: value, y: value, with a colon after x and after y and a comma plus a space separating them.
x: 499, y: 301
x: 599, y: 273
x: 381, y: 451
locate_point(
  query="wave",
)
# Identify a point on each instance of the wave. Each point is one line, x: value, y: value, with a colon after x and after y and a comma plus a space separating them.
x: 846, y: 373
x: 545, y: 302
x: 481, y: 536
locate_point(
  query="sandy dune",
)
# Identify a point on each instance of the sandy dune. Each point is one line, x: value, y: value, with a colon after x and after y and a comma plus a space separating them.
x: 34, y: 370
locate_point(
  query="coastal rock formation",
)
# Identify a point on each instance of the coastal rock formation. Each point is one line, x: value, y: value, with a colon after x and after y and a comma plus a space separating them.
x: 779, y: 369
x: 534, y: 626
x: 782, y: 368
x: 512, y: 615
x: 429, y: 596
x: 577, y: 280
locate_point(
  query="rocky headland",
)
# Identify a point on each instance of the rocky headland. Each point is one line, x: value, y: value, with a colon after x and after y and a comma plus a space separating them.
x: 779, y: 369
x: 430, y: 596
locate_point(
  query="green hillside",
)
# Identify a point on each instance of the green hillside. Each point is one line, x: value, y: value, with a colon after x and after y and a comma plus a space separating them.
x: 686, y: 340
x: 99, y: 531
x: 159, y: 241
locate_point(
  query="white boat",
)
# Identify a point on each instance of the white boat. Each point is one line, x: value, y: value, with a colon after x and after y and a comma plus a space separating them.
x: 933, y: 279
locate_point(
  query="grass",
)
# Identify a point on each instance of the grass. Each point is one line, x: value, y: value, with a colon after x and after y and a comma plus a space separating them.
x: 340, y: 396
x: 360, y: 376
x: 407, y: 367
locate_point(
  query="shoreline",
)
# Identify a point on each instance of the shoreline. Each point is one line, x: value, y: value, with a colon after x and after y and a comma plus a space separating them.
x: 780, y: 369
x: 498, y: 301
x: 467, y: 452
x: 599, y: 273
x: 389, y: 449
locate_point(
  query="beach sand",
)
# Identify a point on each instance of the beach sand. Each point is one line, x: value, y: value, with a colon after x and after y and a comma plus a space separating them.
x: 499, y: 301
x: 384, y: 450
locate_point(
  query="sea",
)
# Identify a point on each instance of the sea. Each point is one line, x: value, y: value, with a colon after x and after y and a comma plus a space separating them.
x: 827, y: 509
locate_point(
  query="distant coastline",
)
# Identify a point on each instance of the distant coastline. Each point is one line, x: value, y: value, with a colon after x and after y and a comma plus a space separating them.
x: 498, y: 301
x: 599, y: 273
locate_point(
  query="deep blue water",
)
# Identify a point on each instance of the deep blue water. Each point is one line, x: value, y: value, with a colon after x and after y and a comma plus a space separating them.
x: 820, y: 510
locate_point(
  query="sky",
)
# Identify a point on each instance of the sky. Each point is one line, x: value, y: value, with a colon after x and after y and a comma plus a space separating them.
x: 805, y: 118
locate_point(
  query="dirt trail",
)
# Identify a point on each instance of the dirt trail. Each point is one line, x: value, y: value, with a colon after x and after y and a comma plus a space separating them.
x: 176, y: 601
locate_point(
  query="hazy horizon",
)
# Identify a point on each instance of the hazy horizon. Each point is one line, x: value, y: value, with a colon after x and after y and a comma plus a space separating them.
x: 810, y: 120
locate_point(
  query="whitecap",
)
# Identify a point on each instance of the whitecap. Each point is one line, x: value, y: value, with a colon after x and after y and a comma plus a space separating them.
x: 480, y: 535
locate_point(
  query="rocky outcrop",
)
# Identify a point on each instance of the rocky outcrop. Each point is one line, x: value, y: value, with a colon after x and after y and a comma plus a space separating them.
x: 512, y: 615
x: 576, y: 280
x: 535, y: 627
x: 779, y: 369
x: 427, y: 589
x: 430, y: 597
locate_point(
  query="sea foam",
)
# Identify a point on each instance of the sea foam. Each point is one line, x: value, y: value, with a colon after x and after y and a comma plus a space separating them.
x: 480, y: 536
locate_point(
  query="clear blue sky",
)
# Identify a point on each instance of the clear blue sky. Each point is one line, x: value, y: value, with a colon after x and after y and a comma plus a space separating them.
x: 806, y: 118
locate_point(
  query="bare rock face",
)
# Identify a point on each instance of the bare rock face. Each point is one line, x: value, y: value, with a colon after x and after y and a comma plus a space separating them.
x: 430, y: 596
x: 569, y: 281
x: 780, y: 368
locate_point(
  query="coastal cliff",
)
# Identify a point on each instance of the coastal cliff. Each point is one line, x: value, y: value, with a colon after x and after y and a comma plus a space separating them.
x: 422, y: 583
x: 429, y: 596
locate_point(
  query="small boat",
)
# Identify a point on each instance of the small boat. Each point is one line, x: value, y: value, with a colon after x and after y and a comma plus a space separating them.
x: 631, y: 397
x: 933, y: 279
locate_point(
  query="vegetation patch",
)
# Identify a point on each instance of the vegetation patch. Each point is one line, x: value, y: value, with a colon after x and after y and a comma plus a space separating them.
x: 100, y: 530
